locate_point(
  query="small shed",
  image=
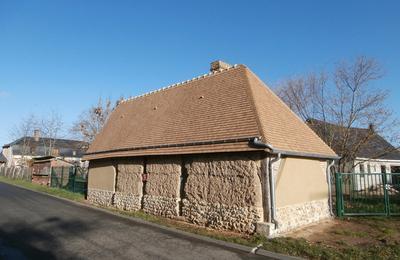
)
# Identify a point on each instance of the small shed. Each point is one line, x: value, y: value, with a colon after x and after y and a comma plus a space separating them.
x: 219, y: 150
x: 42, y: 166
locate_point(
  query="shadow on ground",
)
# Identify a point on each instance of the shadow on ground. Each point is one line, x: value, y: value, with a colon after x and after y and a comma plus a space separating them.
x: 20, y: 240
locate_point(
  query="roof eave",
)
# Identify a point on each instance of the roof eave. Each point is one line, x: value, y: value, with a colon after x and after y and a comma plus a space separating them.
x: 307, y: 155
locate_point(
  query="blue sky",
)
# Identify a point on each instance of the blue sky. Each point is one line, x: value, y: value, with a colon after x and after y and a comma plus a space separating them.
x: 64, y: 55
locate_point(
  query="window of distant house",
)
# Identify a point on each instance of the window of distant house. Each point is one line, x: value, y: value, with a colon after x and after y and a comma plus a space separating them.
x: 362, y: 170
x: 383, y: 168
x: 73, y: 153
x: 369, y: 168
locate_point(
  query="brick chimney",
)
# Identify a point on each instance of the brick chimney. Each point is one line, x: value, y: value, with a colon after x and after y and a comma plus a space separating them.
x: 36, y: 135
x: 219, y: 65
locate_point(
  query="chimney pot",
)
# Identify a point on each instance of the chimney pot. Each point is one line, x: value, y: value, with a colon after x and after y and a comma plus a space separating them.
x: 371, y: 127
x: 219, y: 65
x: 36, y: 135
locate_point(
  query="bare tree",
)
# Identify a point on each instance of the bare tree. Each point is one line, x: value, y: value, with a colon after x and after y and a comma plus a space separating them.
x: 92, y: 120
x: 345, y: 104
x: 51, y: 128
x: 23, y: 130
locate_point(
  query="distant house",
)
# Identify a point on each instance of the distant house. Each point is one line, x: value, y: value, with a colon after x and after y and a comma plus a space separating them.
x: 376, y: 155
x: 26, y: 148
x: 3, y: 159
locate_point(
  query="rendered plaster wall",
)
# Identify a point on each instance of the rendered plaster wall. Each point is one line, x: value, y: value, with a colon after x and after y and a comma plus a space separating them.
x: 301, y: 193
x: 300, y: 180
x: 101, y: 182
x: 223, y: 191
x: 129, y: 184
x: 161, y: 193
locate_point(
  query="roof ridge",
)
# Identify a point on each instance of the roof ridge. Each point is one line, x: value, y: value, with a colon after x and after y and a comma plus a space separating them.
x: 338, y: 126
x: 250, y: 92
x: 206, y: 75
x: 265, y: 87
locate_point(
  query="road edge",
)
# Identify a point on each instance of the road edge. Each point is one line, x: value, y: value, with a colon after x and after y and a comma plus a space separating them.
x: 240, y: 247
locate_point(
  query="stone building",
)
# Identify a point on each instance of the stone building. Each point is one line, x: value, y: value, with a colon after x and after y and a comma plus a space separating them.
x: 220, y: 150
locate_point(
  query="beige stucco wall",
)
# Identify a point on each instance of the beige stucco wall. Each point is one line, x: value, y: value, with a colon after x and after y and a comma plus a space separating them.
x: 101, y: 175
x: 301, y: 193
x: 300, y: 180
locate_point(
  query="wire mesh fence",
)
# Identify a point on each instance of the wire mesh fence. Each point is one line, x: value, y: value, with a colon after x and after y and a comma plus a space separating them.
x: 69, y: 178
x: 367, y: 194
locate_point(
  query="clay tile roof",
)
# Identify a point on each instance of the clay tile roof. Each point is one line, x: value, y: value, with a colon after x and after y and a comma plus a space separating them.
x: 217, y: 112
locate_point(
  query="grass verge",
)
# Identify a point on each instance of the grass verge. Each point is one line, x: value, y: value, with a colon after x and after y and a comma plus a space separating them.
x: 36, y: 187
x: 383, y: 246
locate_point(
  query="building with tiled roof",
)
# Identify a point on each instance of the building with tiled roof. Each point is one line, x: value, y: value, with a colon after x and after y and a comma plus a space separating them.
x: 374, y: 154
x: 26, y: 148
x: 220, y: 150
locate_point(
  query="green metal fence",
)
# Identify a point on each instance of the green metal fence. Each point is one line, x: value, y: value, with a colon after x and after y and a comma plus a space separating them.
x: 362, y: 194
x: 70, y: 178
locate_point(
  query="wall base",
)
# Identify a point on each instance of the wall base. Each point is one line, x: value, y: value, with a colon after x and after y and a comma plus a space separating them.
x: 127, y: 201
x: 218, y: 216
x: 266, y: 229
x: 161, y: 206
x: 100, y: 197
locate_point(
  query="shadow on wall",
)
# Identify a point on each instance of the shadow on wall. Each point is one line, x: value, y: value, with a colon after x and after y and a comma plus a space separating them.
x: 19, y: 240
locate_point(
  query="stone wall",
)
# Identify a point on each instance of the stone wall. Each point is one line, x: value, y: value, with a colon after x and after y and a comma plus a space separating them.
x: 100, y: 197
x: 223, y: 191
x: 297, y: 215
x: 129, y: 184
x: 162, y: 188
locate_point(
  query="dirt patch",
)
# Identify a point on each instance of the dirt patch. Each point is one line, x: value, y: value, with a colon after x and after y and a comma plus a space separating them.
x: 352, y: 232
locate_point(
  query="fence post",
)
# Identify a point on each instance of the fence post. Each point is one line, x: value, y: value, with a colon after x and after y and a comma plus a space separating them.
x: 72, y: 177
x: 339, y: 195
x: 62, y: 176
x: 51, y: 176
x: 385, y: 194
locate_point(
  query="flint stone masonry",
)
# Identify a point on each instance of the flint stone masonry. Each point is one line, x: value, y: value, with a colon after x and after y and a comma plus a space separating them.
x: 219, y: 216
x: 295, y: 216
x: 162, y: 186
x: 127, y: 201
x: 223, y: 191
x: 162, y: 206
x: 100, y: 197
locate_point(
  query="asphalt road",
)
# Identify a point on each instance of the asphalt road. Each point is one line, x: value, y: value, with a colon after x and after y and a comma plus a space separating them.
x: 36, y: 226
